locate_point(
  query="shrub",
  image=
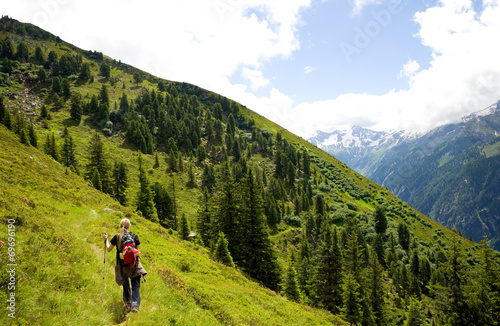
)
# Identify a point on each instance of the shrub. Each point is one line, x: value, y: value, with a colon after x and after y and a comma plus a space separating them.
x: 292, y: 220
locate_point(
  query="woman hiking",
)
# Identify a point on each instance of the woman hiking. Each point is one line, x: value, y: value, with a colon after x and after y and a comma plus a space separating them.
x: 127, y: 268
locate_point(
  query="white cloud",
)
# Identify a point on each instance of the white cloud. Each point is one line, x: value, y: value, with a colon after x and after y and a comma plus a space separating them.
x: 358, y: 5
x: 409, y: 69
x: 309, y: 69
x: 255, y: 77
x: 198, y: 42
x: 463, y: 77
x: 201, y: 42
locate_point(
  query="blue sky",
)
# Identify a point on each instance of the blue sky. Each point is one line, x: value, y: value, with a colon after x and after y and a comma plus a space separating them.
x: 306, y: 64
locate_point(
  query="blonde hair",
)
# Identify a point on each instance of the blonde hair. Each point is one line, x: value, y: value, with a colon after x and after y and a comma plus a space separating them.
x: 124, y: 227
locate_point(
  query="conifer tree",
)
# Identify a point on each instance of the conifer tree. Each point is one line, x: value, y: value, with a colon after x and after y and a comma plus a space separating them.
x: 120, y: 182
x: 414, y: 315
x: 164, y: 206
x: 97, y: 159
x: 145, y: 202
x: 96, y: 179
x: 377, y: 295
x: 32, y: 136
x: 221, y: 253
x: 183, y: 227
x: 3, y: 109
x: 203, y: 224
x: 68, y: 152
x: 351, y: 310
x: 290, y: 286
x: 328, y: 275
x: 259, y: 258
x: 304, y: 270
x: 380, y: 220
x: 76, y: 109
x: 50, y: 147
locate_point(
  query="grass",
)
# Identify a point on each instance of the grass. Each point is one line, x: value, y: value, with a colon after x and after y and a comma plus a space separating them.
x: 59, y: 219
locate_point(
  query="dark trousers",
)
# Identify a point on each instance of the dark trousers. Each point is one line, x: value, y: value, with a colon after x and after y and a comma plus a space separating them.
x: 132, y: 297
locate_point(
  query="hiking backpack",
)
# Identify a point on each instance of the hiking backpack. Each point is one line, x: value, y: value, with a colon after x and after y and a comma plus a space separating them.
x: 130, y: 256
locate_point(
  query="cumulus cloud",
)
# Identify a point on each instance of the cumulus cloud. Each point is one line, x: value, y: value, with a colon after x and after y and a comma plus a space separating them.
x: 256, y: 78
x: 409, y: 69
x: 201, y: 42
x: 463, y: 77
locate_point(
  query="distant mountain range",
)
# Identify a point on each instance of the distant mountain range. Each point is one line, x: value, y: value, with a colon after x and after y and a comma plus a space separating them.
x: 450, y: 173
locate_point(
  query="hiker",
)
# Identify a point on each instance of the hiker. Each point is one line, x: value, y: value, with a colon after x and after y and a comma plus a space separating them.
x: 127, y: 269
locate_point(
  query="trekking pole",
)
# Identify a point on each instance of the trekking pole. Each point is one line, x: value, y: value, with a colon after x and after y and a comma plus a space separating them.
x: 104, y: 267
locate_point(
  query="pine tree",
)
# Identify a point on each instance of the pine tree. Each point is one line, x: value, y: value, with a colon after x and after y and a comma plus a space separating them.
x: 304, y: 270
x: 221, y: 253
x: 120, y: 182
x: 290, y: 286
x: 50, y: 147
x: 377, y: 295
x: 259, y: 258
x: 414, y: 315
x: 203, y: 224
x: 68, y: 152
x: 352, y: 301
x: 32, y: 136
x: 164, y: 206
x: 380, y: 220
x: 76, y: 109
x: 97, y: 159
x: 96, y: 179
x: 3, y: 109
x: 487, y: 287
x: 183, y: 227
x: 157, y: 162
x: 328, y: 274
x: 145, y: 202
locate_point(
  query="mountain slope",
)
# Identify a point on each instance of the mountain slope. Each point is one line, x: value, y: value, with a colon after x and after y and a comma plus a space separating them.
x: 212, y: 165
x: 449, y: 173
x: 59, y: 219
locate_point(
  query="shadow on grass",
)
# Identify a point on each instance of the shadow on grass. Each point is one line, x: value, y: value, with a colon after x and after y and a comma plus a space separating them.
x: 119, y: 312
x: 70, y: 122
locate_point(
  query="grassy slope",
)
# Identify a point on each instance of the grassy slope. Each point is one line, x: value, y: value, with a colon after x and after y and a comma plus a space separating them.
x: 58, y: 222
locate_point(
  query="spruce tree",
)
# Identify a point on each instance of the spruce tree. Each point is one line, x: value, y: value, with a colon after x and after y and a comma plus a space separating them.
x: 259, y: 258
x: 203, y: 224
x: 183, y: 227
x: 221, y: 253
x: 120, y: 182
x: 32, y: 136
x: 304, y: 270
x: 414, y: 315
x: 2, y: 110
x: 68, y: 152
x: 328, y: 274
x: 96, y: 179
x: 164, y: 206
x: 290, y: 286
x: 76, y: 109
x: 145, y: 202
x: 377, y: 294
x: 380, y: 220
x: 352, y: 299
x: 97, y: 159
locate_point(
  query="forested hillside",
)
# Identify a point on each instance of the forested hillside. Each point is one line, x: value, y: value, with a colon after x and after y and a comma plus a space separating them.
x: 262, y: 201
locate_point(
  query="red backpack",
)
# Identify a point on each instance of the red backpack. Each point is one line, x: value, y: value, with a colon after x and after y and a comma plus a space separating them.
x: 129, y: 252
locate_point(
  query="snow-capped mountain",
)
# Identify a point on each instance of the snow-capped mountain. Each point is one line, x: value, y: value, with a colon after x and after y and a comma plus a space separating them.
x: 355, y: 145
x: 451, y: 173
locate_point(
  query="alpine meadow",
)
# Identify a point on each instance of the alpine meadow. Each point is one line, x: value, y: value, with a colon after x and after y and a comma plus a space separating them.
x: 284, y: 233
